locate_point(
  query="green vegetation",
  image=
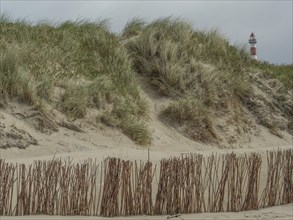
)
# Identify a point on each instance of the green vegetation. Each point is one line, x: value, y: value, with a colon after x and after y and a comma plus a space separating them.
x: 79, y: 66
x: 172, y: 54
x: 195, y: 116
x: 199, y: 70
x: 282, y: 72
x: 82, y: 59
x: 133, y: 27
x: 203, y: 74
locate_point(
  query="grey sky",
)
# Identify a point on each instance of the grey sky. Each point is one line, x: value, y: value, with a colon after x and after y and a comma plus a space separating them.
x: 270, y: 20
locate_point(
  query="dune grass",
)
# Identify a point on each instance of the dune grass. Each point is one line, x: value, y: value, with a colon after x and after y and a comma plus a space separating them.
x: 282, y: 72
x: 169, y: 50
x: 195, y: 116
x: 200, y: 70
x: 197, y: 69
x: 83, y: 58
x: 133, y: 27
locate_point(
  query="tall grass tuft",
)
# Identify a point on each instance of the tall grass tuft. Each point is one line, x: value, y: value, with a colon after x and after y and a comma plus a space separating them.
x: 195, y: 117
x: 192, y: 66
x: 75, y: 100
x: 124, y: 115
x: 8, y: 72
x: 133, y: 27
x: 95, y: 68
x: 81, y: 58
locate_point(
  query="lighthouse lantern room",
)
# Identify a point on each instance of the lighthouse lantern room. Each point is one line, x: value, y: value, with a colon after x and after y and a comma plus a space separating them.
x: 252, y: 41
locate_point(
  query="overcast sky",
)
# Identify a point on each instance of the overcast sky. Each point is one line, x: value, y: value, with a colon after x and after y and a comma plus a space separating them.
x: 270, y: 20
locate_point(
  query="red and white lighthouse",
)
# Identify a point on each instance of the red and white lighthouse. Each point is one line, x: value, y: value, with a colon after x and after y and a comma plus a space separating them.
x: 252, y: 41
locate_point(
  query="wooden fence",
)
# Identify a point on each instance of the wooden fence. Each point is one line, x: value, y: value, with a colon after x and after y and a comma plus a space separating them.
x: 115, y: 187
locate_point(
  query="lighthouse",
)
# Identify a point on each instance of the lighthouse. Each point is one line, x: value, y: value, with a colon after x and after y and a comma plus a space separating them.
x: 252, y: 41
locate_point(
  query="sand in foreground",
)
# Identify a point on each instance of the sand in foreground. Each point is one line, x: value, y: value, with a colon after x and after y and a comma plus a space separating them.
x: 277, y: 212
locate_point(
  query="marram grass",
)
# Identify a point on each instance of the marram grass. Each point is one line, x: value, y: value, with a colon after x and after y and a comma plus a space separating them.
x: 84, y: 60
x: 91, y: 67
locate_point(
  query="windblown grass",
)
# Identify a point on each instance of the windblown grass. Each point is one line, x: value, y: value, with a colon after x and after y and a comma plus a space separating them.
x: 282, y: 72
x: 200, y: 71
x: 84, y: 58
x: 195, y: 116
x: 201, y: 66
x: 195, y: 67
x: 133, y: 27
x: 169, y: 50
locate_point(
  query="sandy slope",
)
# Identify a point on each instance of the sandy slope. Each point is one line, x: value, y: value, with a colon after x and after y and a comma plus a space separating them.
x: 101, y: 142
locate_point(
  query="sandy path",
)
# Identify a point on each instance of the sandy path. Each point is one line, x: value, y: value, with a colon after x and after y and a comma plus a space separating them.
x: 284, y: 212
x: 126, y: 153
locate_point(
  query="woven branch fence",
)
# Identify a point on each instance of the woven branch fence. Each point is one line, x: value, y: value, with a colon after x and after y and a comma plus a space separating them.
x: 115, y: 187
